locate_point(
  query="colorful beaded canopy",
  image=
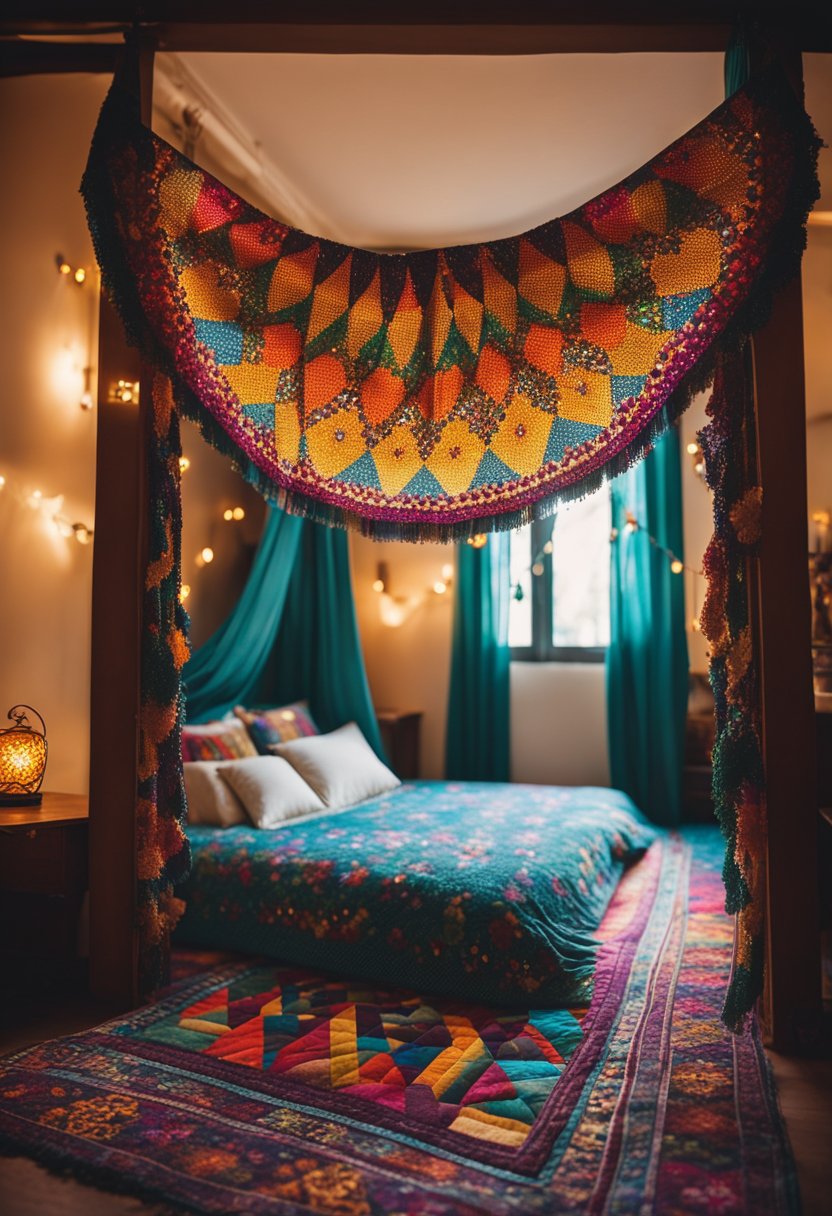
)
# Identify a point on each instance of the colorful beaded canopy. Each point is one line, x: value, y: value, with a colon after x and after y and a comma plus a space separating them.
x: 439, y: 393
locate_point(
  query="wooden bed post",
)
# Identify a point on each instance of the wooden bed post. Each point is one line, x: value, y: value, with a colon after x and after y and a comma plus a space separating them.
x: 791, y: 1004
x: 791, y: 1001
x: 118, y: 578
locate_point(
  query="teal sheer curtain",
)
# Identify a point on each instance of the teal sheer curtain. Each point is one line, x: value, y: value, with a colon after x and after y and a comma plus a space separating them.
x: 647, y: 659
x: 293, y: 634
x: 318, y: 651
x: 225, y: 671
x: 477, y: 741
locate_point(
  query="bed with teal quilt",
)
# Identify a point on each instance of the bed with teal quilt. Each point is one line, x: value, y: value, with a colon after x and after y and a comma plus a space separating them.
x: 479, y: 891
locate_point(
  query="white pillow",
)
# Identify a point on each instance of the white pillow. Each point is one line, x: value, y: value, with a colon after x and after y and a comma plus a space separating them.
x: 341, y: 767
x: 211, y: 802
x: 270, y: 790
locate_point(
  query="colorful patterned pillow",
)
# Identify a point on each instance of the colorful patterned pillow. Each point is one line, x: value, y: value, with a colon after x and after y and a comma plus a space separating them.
x: 226, y: 740
x: 280, y: 724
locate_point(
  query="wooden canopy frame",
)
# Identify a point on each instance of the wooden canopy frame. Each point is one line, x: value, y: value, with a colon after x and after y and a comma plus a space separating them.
x: 780, y: 587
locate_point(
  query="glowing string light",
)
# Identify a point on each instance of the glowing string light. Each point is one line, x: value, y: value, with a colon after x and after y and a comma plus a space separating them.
x: 50, y: 509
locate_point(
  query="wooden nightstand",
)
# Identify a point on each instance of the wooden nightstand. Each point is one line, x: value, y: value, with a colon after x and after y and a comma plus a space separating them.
x: 400, y: 730
x: 43, y: 878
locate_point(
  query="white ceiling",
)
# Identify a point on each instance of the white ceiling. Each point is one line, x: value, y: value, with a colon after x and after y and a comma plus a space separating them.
x: 397, y: 151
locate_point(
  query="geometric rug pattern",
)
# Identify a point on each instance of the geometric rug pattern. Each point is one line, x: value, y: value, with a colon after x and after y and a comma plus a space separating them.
x: 251, y: 1089
x: 479, y: 1071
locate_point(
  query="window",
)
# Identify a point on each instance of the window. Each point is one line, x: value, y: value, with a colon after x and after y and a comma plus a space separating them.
x: 560, y: 581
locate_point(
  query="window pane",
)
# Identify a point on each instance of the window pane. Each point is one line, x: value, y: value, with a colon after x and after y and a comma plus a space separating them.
x: 581, y: 572
x: 520, y: 611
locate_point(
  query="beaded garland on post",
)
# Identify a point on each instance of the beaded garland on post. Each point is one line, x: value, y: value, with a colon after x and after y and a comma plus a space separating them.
x: 163, y: 852
x: 432, y: 395
x: 738, y: 775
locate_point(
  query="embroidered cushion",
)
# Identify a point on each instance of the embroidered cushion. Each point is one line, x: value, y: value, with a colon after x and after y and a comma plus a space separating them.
x: 211, y: 801
x: 270, y: 790
x: 277, y: 725
x: 226, y: 740
x: 341, y: 767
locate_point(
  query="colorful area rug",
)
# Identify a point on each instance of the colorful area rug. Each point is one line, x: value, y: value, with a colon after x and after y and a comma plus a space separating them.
x: 254, y: 1088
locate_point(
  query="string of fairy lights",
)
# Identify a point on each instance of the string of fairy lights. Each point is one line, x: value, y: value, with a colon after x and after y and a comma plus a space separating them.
x: 206, y: 554
x: 632, y: 525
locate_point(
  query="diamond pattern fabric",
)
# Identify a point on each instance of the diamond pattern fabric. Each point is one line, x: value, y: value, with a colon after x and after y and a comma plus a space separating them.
x: 439, y: 392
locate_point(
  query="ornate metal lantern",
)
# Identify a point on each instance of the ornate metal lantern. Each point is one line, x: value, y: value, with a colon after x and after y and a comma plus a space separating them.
x: 22, y: 759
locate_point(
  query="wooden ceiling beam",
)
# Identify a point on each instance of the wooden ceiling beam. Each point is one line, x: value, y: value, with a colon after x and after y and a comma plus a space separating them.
x: 22, y: 58
x: 432, y: 27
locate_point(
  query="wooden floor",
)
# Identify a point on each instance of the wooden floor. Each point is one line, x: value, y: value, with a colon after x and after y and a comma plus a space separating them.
x: 804, y: 1088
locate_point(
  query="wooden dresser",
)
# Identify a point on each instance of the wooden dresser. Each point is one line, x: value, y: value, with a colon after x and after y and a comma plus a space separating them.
x: 43, y: 880
x: 400, y: 734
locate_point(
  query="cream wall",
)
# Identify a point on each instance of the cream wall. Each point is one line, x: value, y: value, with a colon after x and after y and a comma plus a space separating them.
x: 408, y: 665
x: 47, y: 442
x: 558, y: 724
x: 817, y: 298
x: 210, y: 485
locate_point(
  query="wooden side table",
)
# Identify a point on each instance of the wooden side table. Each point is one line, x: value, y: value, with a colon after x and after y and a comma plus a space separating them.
x: 400, y: 730
x: 43, y: 878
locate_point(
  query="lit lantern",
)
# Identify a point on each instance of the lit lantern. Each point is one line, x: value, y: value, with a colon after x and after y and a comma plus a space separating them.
x: 22, y: 759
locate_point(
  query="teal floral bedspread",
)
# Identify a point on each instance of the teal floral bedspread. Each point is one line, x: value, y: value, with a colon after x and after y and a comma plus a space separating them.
x: 475, y: 890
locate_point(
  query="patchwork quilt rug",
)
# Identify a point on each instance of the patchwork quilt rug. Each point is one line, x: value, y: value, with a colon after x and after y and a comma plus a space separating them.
x: 255, y: 1088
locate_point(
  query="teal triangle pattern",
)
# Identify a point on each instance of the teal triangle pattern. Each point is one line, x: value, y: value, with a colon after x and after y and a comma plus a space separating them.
x: 362, y: 472
x: 566, y: 433
x: 424, y: 484
x: 492, y: 471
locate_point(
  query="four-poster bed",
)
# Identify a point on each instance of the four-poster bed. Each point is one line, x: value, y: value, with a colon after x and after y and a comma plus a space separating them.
x: 261, y: 1084
x: 784, y: 667
x: 785, y: 663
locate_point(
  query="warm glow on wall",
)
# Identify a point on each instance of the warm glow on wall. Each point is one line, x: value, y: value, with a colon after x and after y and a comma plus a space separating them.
x: 50, y: 510
x: 73, y: 371
x: 394, y: 610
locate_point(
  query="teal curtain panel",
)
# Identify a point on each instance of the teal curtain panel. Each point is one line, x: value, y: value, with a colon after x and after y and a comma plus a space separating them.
x: 647, y: 660
x: 318, y: 654
x: 226, y: 670
x: 293, y: 634
x: 478, y: 736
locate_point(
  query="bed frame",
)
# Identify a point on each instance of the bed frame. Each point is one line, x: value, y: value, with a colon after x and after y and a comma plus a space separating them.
x: 791, y: 1007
